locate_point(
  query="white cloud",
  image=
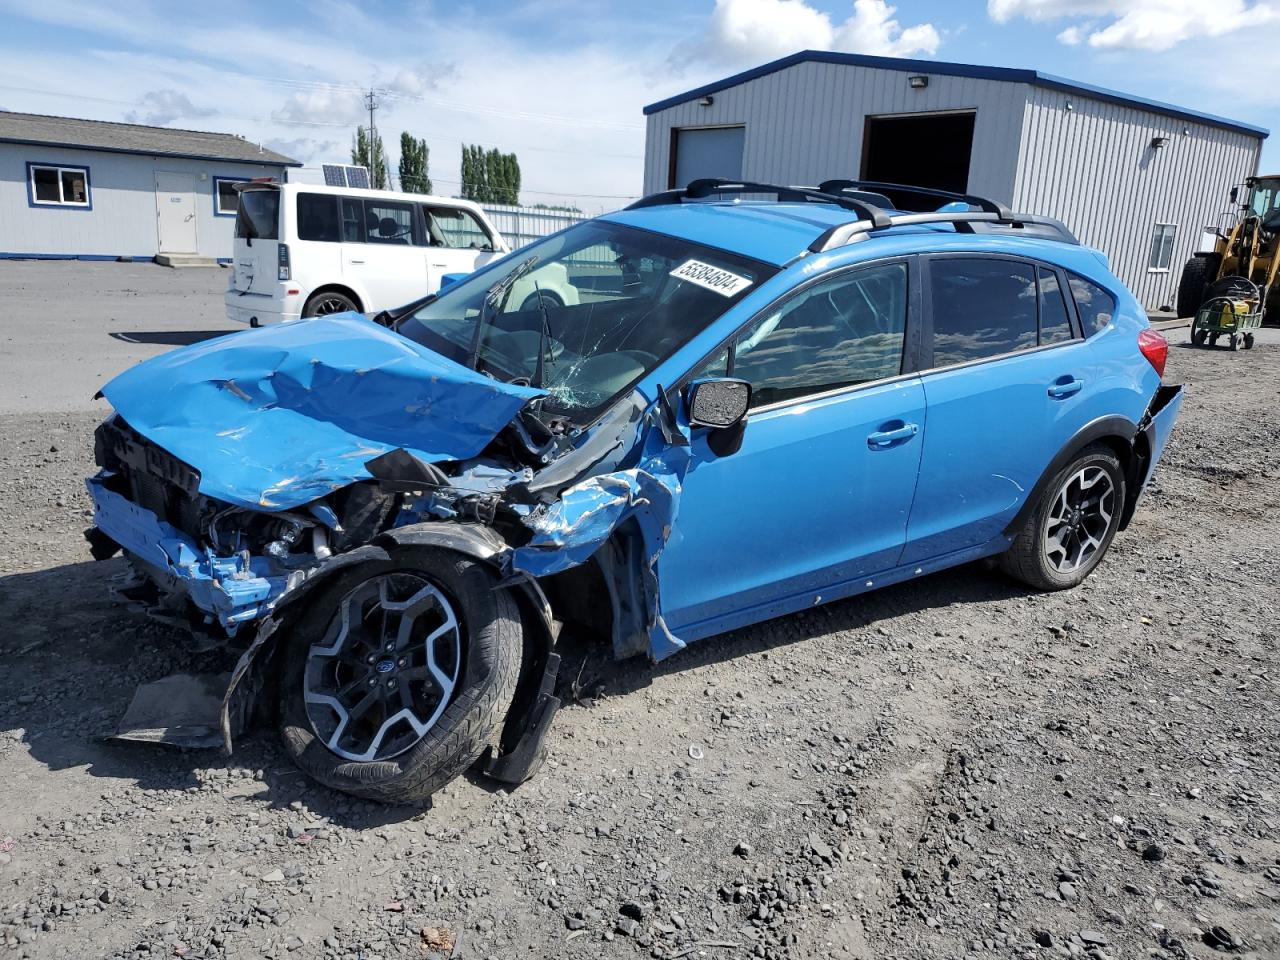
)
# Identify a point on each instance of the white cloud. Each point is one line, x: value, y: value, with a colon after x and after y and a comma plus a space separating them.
x: 752, y: 31
x: 323, y: 105
x: 160, y: 108
x: 1139, y: 24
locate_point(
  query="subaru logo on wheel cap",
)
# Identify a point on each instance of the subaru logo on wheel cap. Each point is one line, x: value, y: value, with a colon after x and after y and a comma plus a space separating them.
x: 385, y: 666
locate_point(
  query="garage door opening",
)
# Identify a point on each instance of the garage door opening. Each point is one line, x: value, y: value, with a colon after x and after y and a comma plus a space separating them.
x: 924, y: 150
x: 706, y: 152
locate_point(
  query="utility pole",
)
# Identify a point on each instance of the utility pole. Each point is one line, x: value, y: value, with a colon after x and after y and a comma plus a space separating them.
x: 371, y: 101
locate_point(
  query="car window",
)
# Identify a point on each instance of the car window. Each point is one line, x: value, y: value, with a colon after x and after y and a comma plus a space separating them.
x: 1055, y: 322
x: 258, y: 217
x: 981, y: 308
x: 387, y: 221
x: 451, y: 227
x: 1096, y: 306
x: 317, y: 215
x: 840, y: 332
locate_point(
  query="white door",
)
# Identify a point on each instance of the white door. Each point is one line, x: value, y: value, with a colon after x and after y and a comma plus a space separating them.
x: 383, y: 252
x: 458, y: 243
x: 176, y: 212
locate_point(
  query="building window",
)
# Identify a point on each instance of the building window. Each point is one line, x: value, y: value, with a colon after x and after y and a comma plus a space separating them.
x: 1162, y: 247
x: 225, y: 199
x: 51, y: 185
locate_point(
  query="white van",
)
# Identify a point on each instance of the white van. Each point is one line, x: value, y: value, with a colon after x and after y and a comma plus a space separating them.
x: 305, y: 251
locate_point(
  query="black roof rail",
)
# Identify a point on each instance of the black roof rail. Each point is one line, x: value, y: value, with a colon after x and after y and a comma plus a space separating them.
x: 701, y: 189
x: 982, y: 203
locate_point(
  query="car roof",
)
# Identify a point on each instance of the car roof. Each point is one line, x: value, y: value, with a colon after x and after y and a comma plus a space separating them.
x: 778, y: 232
x: 297, y: 186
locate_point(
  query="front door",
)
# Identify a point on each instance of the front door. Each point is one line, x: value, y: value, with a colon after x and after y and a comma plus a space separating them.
x: 459, y: 244
x: 176, y: 212
x: 1011, y: 385
x: 821, y: 489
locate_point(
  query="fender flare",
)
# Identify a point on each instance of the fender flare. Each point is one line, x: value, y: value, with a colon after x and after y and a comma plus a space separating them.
x: 533, y: 706
x: 1114, y: 428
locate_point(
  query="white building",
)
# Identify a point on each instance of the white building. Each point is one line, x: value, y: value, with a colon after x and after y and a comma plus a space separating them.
x: 1140, y: 180
x: 87, y: 189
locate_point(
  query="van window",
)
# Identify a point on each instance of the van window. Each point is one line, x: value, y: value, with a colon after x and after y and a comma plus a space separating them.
x: 451, y: 227
x: 258, y: 217
x: 389, y: 222
x: 981, y: 308
x: 318, y: 217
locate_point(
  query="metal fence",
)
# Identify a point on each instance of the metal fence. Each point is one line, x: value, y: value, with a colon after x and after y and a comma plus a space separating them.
x: 523, y: 225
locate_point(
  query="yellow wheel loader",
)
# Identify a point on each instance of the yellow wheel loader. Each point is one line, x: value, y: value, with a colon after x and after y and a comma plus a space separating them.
x: 1250, y: 248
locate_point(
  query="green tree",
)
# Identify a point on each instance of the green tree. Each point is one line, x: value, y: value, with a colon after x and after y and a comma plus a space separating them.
x: 373, y: 156
x: 490, y: 176
x: 414, y: 156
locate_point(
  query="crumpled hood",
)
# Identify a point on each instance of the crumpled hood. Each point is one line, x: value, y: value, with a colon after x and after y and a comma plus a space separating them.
x: 278, y: 416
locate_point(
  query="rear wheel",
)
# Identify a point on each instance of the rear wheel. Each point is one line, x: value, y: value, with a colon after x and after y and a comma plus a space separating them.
x: 1198, y: 334
x: 1073, y: 524
x: 326, y: 302
x: 398, y: 673
x: 1198, y: 273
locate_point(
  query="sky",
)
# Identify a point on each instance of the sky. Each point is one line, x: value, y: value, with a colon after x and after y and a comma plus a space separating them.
x: 562, y: 83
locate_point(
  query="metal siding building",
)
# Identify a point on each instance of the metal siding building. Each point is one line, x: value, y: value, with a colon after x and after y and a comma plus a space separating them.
x: 1047, y: 145
x: 89, y: 189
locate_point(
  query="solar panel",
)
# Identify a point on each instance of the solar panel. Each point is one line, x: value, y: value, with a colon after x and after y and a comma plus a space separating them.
x: 345, y: 175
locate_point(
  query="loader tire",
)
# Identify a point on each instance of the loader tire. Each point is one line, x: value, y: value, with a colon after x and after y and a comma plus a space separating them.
x: 1199, y: 272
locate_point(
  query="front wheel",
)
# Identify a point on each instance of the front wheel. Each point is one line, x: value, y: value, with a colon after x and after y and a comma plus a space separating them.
x: 1198, y: 334
x: 1073, y: 523
x: 398, y: 673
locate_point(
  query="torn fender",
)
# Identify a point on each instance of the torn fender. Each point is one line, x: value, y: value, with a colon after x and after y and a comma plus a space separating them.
x: 572, y: 530
x: 274, y: 417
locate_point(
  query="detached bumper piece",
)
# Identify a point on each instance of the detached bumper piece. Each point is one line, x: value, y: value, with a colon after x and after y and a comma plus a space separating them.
x: 1157, y: 425
x: 234, y: 590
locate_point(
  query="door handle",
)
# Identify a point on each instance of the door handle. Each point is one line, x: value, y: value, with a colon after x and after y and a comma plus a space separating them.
x: 1064, y: 387
x: 888, y: 438
x: 355, y: 261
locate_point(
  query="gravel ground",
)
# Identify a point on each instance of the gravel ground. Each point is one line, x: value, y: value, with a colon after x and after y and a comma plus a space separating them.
x: 954, y: 768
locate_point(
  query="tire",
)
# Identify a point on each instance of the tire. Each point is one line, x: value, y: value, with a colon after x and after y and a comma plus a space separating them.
x: 1248, y: 341
x: 1198, y: 334
x: 410, y: 764
x: 328, y: 301
x: 1213, y: 339
x: 1197, y: 274
x: 1030, y: 560
x: 1233, y: 343
x: 552, y: 300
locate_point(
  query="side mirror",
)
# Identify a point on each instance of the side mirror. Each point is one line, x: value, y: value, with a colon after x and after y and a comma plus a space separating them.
x: 718, y: 404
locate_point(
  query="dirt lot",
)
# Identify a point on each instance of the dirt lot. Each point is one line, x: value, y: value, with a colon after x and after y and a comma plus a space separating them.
x: 955, y: 768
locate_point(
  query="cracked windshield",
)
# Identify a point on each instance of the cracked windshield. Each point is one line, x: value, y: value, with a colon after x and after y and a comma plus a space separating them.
x: 584, y: 314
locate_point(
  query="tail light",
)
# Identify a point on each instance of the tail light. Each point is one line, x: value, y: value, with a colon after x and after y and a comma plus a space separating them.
x: 1155, y: 348
x: 284, y: 261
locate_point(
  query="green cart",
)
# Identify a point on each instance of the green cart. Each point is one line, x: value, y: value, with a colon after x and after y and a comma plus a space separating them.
x: 1233, y: 307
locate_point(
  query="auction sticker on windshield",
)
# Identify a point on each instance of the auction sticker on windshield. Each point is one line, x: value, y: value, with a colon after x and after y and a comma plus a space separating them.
x: 713, y: 278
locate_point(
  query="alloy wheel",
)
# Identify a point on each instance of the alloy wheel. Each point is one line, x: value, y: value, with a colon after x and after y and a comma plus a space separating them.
x: 386, y: 668
x: 1079, y: 519
x: 330, y: 305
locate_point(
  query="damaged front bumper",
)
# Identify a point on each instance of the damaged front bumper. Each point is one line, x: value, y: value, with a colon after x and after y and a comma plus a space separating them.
x: 233, y: 590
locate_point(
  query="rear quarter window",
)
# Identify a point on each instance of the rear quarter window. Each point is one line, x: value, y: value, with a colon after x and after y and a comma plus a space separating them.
x: 1095, y: 305
x: 318, y: 217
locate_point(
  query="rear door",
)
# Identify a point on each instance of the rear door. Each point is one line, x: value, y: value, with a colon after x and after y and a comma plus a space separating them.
x: 1006, y: 379
x: 458, y: 242
x: 820, y: 492
x: 384, y: 250
x: 256, y: 256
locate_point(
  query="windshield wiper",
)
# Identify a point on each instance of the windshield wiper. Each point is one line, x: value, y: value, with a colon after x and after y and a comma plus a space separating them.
x: 544, y: 341
x: 495, y: 301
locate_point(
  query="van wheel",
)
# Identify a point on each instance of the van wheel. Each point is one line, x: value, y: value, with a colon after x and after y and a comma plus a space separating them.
x: 327, y: 302
x: 398, y: 673
x: 551, y: 300
x: 1073, y: 524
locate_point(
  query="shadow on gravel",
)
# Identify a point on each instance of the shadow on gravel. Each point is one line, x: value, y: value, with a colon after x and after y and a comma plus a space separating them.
x: 586, y: 670
x: 172, y: 338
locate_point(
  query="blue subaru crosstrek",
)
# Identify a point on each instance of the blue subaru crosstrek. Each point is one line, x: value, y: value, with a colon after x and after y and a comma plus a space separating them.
x: 765, y: 398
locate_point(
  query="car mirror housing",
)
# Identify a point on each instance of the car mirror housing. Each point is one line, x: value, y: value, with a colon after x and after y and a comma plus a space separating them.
x: 718, y: 404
